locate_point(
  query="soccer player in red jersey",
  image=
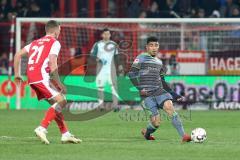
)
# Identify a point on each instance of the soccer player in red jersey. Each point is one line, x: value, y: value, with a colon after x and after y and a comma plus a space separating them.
x: 42, y: 71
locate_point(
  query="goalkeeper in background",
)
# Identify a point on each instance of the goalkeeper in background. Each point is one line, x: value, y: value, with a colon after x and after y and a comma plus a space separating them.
x: 104, y: 51
x: 147, y: 74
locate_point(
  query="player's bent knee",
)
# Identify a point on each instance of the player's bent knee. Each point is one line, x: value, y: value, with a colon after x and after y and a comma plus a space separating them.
x: 60, y: 100
x: 62, y: 103
x: 168, y: 107
x: 100, y: 89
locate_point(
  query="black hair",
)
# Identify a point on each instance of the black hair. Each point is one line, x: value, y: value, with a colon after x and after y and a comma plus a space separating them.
x: 105, y: 30
x: 152, y: 39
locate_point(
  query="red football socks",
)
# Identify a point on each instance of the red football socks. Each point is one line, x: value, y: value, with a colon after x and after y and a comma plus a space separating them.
x: 60, y: 122
x: 49, y: 116
x: 52, y: 114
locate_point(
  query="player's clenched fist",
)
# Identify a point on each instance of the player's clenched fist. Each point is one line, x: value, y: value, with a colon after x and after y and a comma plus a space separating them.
x: 143, y: 92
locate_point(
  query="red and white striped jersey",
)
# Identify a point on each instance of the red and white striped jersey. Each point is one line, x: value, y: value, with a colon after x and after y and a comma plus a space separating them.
x: 38, y: 58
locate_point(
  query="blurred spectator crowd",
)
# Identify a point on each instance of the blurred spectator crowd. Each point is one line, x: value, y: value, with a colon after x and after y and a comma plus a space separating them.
x: 130, y: 8
x: 126, y: 9
x: 184, y: 9
x: 26, y: 8
x: 4, y: 63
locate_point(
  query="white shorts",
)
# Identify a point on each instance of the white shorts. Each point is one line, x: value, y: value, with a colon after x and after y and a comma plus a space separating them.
x: 102, y: 80
x: 45, y: 90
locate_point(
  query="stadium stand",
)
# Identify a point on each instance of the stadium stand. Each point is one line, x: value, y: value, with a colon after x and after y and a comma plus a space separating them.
x: 111, y: 9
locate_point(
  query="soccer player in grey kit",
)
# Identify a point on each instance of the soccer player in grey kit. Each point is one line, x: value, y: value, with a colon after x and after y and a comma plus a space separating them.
x: 147, y: 75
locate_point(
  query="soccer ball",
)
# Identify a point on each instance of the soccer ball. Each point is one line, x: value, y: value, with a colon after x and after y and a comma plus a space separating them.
x: 198, y: 135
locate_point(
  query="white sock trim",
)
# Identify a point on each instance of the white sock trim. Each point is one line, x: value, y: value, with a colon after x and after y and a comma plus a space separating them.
x: 57, y: 107
x: 66, y: 133
x: 42, y: 128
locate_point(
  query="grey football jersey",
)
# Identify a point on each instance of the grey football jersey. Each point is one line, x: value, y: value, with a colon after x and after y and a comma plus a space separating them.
x: 148, y: 70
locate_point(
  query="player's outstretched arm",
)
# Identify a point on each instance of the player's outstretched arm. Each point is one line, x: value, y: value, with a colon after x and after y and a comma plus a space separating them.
x: 166, y: 85
x: 17, y: 59
x: 169, y: 90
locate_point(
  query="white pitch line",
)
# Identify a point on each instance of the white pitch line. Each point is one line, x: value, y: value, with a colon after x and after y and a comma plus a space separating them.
x: 11, y: 137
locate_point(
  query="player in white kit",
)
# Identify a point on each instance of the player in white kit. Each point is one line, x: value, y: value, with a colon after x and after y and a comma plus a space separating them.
x: 105, y: 50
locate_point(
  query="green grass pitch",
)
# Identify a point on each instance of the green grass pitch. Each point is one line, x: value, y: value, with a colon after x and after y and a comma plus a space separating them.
x: 110, y: 137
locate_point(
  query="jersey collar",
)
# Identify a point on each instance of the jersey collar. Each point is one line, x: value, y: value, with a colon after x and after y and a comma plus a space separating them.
x: 147, y: 54
x: 47, y: 35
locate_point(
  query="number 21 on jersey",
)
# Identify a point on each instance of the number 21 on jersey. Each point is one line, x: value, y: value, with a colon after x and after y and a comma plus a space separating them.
x: 36, y: 54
